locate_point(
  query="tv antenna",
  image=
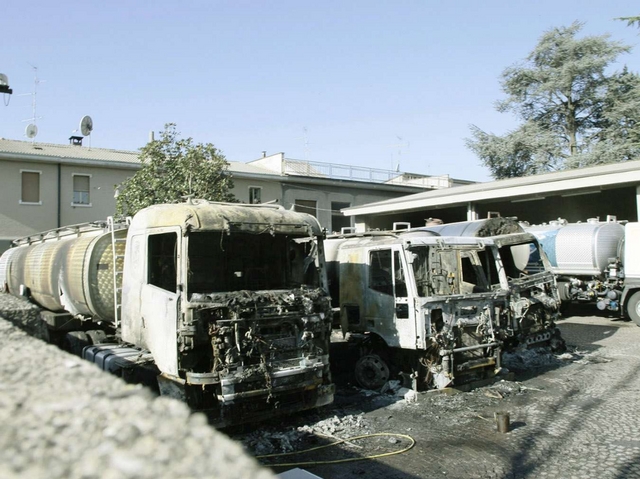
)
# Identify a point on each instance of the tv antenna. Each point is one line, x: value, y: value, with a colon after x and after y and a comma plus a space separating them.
x: 32, y: 129
x: 4, y: 88
x: 305, y: 138
x: 400, y: 145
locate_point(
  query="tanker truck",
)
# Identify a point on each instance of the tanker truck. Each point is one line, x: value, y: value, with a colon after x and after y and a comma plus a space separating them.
x: 595, y: 261
x: 438, y: 309
x: 223, y: 305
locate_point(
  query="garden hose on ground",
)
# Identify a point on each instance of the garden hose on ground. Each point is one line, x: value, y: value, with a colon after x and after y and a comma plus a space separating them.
x: 412, y: 442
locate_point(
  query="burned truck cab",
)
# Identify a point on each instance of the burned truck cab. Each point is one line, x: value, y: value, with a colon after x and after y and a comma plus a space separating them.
x: 232, y: 302
x: 438, y: 308
x: 515, y: 263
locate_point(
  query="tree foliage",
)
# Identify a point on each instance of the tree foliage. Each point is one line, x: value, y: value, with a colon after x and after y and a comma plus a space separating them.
x: 573, y: 113
x: 631, y: 21
x: 173, y: 168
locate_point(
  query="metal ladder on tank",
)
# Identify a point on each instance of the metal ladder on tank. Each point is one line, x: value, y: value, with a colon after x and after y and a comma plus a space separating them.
x: 117, y: 272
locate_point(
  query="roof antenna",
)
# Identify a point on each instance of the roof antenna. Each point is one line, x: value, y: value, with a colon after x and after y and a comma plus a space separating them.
x: 399, y: 146
x: 32, y: 129
x: 305, y: 138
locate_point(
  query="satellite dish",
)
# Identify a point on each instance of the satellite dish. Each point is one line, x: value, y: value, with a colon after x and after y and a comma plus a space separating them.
x: 31, y: 130
x: 4, y: 84
x: 86, y: 125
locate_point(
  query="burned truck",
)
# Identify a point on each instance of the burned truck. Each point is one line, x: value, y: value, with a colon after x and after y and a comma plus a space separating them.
x: 439, y: 309
x: 225, y: 304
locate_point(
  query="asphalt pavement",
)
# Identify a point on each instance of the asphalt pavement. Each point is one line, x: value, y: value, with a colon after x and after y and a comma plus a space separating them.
x: 571, y: 415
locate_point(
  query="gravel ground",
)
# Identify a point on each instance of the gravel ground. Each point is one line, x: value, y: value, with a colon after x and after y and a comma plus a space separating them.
x: 61, y: 417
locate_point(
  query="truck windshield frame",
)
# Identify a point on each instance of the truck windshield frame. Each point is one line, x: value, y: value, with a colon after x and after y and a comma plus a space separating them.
x: 449, y: 271
x: 521, y: 260
x: 387, y: 276
x: 222, y: 262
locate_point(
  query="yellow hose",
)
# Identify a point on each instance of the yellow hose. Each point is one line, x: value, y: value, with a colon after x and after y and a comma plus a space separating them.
x: 412, y: 443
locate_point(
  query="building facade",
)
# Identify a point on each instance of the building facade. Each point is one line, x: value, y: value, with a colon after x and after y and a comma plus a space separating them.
x: 47, y: 186
x: 325, y: 189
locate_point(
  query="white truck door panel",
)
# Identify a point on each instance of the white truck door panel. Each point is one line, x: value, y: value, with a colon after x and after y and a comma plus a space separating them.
x: 159, y: 310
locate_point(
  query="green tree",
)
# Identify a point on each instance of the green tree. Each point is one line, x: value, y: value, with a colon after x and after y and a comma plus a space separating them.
x: 572, y: 111
x: 173, y: 168
x: 631, y: 21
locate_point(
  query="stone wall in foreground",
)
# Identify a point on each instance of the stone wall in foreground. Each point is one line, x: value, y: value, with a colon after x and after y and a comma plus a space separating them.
x: 62, y: 417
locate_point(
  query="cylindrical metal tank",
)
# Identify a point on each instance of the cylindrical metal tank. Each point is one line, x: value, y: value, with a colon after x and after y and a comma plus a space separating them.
x: 41, y: 271
x: 579, y: 249
x: 8, y: 282
x: 73, y: 272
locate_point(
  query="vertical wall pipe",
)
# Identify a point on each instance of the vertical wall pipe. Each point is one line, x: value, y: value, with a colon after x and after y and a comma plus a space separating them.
x: 59, y: 195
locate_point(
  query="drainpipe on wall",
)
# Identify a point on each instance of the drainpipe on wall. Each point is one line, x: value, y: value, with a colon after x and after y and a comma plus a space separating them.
x: 59, y: 194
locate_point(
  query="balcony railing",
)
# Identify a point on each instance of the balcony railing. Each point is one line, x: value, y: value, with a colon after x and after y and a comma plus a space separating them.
x: 359, y: 173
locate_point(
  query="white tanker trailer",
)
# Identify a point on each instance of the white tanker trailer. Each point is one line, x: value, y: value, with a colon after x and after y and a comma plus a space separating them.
x: 225, y: 305
x: 596, y: 261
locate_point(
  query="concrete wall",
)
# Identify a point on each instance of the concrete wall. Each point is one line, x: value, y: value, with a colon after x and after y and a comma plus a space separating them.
x: 415, y: 218
x: 271, y: 190
x: 271, y: 162
x: 18, y: 219
x: 101, y: 195
x: 23, y: 219
x: 329, y: 194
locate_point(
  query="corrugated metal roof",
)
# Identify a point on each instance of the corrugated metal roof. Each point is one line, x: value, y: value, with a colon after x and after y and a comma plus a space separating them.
x: 538, y: 185
x: 26, y: 150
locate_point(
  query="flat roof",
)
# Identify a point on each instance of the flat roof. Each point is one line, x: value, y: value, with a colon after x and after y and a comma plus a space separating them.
x: 583, y: 180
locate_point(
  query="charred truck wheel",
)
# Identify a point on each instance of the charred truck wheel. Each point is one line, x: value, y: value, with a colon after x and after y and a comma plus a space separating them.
x: 371, y: 371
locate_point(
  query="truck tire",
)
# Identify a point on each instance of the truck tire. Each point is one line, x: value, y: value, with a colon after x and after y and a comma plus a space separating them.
x: 565, y: 297
x: 633, y: 307
x: 371, y: 371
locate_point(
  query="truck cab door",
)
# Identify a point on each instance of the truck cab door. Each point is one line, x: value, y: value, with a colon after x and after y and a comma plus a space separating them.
x: 389, y: 309
x: 160, y: 306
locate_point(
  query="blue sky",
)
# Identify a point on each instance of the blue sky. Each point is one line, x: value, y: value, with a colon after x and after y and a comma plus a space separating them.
x: 366, y: 83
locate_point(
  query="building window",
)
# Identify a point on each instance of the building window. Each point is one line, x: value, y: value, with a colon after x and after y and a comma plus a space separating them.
x: 30, y: 187
x: 338, y: 220
x: 255, y: 195
x: 306, y: 206
x: 81, y: 186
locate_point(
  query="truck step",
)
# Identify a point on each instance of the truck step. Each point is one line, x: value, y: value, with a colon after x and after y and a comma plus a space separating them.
x: 115, y: 357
